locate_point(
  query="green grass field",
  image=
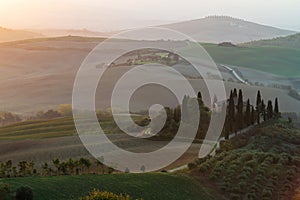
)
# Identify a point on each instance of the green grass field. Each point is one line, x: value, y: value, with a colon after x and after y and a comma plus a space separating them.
x: 147, y: 186
x: 38, y: 129
x: 292, y: 41
x: 282, y: 61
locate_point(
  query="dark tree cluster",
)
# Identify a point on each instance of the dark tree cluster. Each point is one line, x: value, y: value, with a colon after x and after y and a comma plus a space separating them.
x: 241, y: 114
x: 184, y: 114
x: 7, y: 118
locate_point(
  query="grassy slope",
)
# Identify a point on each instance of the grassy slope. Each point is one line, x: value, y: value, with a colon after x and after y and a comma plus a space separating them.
x: 262, y: 165
x: 39, y: 129
x: 275, y: 60
x: 148, y: 186
x: 292, y: 41
x: 272, y: 56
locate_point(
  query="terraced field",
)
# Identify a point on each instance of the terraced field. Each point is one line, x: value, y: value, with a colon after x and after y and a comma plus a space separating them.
x: 41, y: 129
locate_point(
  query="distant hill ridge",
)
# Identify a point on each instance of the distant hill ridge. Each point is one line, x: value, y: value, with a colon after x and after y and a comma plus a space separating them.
x: 291, y: 41
x: 211, y: 29
x: 217, y: 29
x: 7, y: 35
x: 74, y: 32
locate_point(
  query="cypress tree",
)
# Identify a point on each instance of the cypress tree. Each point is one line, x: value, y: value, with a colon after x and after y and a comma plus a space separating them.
x: 248, y: 114
x: 199, y: 96
x: 185, y: 115
x: 263, y: 110
x: 258, y: 106
x: 270, y: 110
x: 177, y: 114
x: 235, y: 92
x: 240, y: 107
x: 231, y: 112
x: 252, y: 116
x: 240, y: 102
x: 200, y: 101
x: 276, y: 108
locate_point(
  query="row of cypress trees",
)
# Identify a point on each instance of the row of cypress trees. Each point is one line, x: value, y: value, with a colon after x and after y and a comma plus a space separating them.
x: 242, y: 114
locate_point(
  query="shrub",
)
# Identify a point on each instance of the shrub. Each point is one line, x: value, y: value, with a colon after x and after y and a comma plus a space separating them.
x: 192, y: 165
x: 251, y: 163
x: 251, y: 195
x: 241, y: 186
x: 24, y: 193
x: 99, y: 195
x: 234, y: 196
x: 5, y: 191
x: 267, y: 193
x: 243, y: 176
x: 204, y: 167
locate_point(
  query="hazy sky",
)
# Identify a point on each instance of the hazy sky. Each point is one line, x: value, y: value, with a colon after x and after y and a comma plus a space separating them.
x: 106, y: 15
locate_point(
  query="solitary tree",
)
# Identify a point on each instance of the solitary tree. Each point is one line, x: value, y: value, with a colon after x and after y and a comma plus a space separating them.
x: 85, y: 163
x: 22, y: 167
x: 63, y: 167
x: 70, y: 165
x: 143, y: 168
x: 56, y: 163
x: 199, y: 97
x: 46, y: 168
x: 8, y: 165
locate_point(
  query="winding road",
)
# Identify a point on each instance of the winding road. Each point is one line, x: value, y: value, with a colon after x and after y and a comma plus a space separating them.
x: 233, y: 72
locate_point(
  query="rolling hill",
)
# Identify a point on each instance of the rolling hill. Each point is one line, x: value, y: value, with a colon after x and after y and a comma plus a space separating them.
x: 291, y: 41
x: 46, y: 70
x: 261, y: 164
x: 73, y: 32
x: 266, y: 58
x: 212, y: 29
x: 12, y: 35
x: 216, y: 29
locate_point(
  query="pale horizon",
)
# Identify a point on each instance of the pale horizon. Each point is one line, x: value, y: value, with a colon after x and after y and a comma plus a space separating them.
x: 104, y: 15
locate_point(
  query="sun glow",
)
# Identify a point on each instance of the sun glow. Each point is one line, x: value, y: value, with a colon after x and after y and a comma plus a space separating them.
x: 120, y: 14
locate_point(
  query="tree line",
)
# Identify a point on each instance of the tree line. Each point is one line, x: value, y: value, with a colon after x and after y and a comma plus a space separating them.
x: 240, y: 114
x: 53, y: 168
